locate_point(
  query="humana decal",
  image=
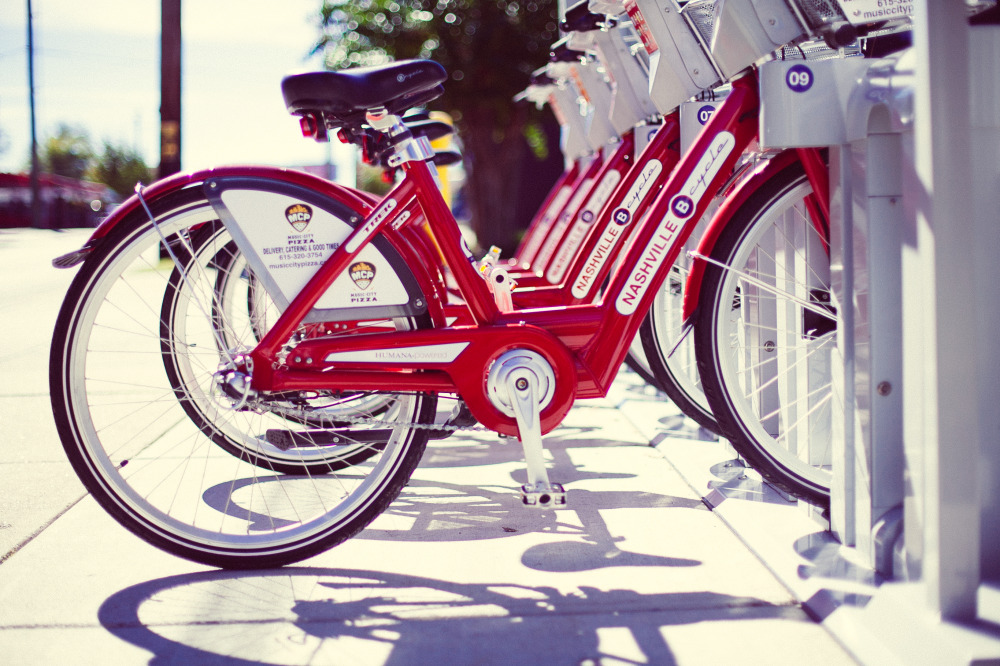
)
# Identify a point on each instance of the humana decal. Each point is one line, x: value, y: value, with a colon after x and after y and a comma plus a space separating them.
x: 445, y: 353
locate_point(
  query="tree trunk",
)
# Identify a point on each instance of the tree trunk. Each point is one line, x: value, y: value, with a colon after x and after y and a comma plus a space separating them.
x: 493, y: 161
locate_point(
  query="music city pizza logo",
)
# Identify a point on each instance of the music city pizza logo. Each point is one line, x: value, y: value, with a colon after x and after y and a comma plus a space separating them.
x: 362, y: 273
x: 299, y: 215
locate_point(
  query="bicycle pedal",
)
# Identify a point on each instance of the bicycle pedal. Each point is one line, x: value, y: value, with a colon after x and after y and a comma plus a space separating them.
x: 543, y: 495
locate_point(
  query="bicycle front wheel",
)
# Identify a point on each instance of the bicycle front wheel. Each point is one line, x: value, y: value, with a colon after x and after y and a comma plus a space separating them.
x: 764, y: 337
x: 143, y: 413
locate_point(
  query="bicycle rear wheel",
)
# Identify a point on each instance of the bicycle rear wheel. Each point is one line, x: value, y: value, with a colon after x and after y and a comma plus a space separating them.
x: 217, y: 275
x: 764, y: 336
x: 146, y: 442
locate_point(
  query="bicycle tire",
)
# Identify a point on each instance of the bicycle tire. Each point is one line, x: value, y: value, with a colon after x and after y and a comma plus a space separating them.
x: 764, y: 335
x: 636, y: 361
x: 672, y: 359
x: 158, y: 472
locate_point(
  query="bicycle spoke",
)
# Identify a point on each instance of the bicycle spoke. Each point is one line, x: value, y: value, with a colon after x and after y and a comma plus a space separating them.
x: 764, y: 346
x: 182, y: 462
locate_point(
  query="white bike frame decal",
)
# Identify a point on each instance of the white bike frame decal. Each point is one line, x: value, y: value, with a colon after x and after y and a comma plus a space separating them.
x: 584, y: 220
x: 537, y: 238
x: 376, y: 218
x: 682, y: 206
x: 401, y: 220
x: 560, y: 226
x: 621, y: 218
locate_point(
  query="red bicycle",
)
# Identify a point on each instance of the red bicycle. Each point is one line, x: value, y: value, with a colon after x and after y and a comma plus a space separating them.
x: 265, y: 426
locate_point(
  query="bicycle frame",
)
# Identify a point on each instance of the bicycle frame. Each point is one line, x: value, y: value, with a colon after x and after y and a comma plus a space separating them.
x: 585, y: 344
x: 586, y: 238
x: 587, y: 247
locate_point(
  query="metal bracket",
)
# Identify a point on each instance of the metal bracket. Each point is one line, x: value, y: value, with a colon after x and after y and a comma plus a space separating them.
x: 498, y: 280
x: 417, y: 149
x: 501, y: 285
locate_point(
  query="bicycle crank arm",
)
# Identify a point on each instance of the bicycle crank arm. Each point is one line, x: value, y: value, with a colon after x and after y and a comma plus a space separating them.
x: 521, y: 384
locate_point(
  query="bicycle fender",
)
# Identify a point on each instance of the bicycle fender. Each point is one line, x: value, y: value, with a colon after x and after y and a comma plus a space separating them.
x: 180, y: 181
x: 744, y: 188
x: 406, y: 259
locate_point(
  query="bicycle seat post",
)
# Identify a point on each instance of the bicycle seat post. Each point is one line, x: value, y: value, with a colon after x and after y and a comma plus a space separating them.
x: 405, y: 147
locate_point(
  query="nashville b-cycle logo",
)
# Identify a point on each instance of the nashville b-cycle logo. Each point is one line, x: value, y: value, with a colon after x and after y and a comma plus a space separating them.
x: 362, y: 273
x: 298, y: 215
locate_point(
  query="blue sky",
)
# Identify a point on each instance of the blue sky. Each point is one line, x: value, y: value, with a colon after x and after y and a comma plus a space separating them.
x: 97, y: 66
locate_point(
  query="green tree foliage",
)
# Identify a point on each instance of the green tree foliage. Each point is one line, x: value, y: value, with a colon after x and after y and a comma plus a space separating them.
x: 120, y: 168
x: 489, y: 48
x: 67, y: 152
x: 369, y: 179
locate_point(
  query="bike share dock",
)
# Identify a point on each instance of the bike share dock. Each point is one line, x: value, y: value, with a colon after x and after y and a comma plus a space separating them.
x: 635, y: 569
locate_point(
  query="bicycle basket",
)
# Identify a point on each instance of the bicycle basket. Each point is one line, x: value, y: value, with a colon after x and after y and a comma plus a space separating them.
x: 573, y: 134
x: 701, y: 15
x: 806, y: 103
x: 837, y: 21
x: 630, y: 102
x: 745, y: 31
x: 680, y: 65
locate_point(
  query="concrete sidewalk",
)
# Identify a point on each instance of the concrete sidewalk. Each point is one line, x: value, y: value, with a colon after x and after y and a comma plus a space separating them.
x: 634, y: 570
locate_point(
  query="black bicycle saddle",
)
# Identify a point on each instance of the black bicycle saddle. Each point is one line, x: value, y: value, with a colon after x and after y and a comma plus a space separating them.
x: 396, y: 86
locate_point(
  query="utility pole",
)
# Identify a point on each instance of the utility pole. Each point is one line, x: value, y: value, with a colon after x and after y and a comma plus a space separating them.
x: 170, y: 87
x: 36, y: 203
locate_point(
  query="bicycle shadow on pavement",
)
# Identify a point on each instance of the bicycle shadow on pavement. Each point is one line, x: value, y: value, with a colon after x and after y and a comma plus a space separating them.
x: 436, y: 510
x: 318, y: 616
x: 461, y: 450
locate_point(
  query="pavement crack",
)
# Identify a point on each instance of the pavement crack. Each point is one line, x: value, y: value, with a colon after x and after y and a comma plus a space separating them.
x: 6, y: 556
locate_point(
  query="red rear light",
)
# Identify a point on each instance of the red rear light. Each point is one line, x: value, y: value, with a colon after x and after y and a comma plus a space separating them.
x: 309, y: 126
x: 366, y: 153
x: 343, y: 136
